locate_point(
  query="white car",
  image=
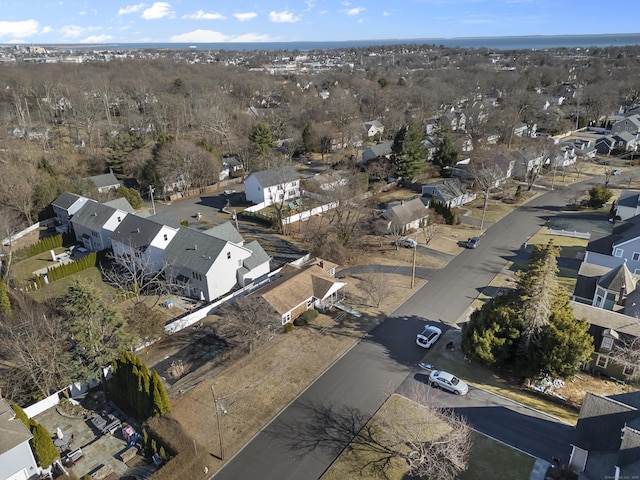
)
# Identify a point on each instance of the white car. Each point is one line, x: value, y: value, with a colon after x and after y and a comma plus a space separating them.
x: 429, y: 336
x: 616, y: 171
x: 407, y: 243
x: 447, y: 381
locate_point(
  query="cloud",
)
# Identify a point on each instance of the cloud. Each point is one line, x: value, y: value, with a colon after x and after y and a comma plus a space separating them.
x: 157, y: 10
x: 21, y: 29
x: 283, y: 17
x: 71, y: 31
x: 355, y: 11
x: 131, y: 9
x: 243, y: 17
x: 211, y: 36
x: 96, y: 39
x: 386, y: 14
x: 201, y: 15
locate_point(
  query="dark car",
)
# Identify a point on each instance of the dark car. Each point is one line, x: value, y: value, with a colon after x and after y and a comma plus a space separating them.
x: 473, y: 242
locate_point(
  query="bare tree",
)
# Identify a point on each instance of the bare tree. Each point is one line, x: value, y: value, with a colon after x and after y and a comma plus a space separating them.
x: 430, y: 230
x: 248, y: 322
x: 10, y: 224
x: 376, y: 287
x: 431, y: 440
x: 627, y: 355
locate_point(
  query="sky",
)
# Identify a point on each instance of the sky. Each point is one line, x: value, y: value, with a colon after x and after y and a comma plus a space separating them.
x: 216, y: 21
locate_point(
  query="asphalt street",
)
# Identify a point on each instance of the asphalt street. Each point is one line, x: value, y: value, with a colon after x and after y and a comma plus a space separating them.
x: 301, y: 442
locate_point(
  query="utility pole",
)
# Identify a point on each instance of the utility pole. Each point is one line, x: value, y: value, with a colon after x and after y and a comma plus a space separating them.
x: 153, y: 205
x: 215, y: 405
x: 413, y: 270
x: 484, y: 208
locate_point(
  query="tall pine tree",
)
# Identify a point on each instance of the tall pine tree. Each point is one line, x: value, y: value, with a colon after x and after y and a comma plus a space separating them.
x: 409, y: 153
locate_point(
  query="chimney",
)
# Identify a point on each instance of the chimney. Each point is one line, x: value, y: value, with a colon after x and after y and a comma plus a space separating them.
x: 138, y: 230
x: 401, y: 202
x: 195, y: 247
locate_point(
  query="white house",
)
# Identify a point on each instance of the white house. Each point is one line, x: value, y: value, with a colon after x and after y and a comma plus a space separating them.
x: 94, y: 223
x: 143, y: 241
x: 373, y: 127
x: 105, y: 182
x: 210, y: 267
x: 404, y: 215
x: 16, y: 458
x: 272, y: 186
x: 65, y: 206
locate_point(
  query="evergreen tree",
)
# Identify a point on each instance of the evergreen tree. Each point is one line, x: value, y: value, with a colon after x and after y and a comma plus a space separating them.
x: 409, y: 153
x: 261, y: 140
x: 131, y: 195
x: 446, y: 154
x: 161, y: 403
x: 599, y: 195
x: 537, y: 287
x: 44, y: 450
x: 5, y: 302
x: 97, y: 330
x: 309, y: 139
x: 120, y: 146
x: 493, y: 332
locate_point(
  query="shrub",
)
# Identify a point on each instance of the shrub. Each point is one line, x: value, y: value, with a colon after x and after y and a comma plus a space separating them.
x: 305, y: 318
x: 288, y: 328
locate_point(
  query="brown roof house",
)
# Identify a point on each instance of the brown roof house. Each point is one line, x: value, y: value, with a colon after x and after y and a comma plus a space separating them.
x: 301, y: 287
x: 606, y: 441
x: 403, y: 216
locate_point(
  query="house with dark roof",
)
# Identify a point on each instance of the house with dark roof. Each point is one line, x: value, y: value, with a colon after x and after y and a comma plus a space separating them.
x: 622, y: 246
x: 630, y: 124
x: 449, y: 192
x: 65, y: 206
x: 606, y: 440
x: 301, y: 287
x: 142, y: 241
x: 105, y: 182
x: 626, y: 141
x: 94, y: 223
x: 226, y: 231
x: 379, y: 150
x: 230, y: 165
x: 272, y: 186
x: 16, y: 457
x: 209, y: 267
x: 628, y: 204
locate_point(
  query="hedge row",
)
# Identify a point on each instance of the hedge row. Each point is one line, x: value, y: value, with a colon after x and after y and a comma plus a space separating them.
x: 258, y: 217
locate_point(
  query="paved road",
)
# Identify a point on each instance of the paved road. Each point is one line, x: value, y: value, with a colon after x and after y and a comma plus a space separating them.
x: 299, y: 443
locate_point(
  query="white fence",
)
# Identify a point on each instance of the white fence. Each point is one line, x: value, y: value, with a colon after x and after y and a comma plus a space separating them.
x: 308, y: 213
x: 567, y: 233
x: 44, y: 223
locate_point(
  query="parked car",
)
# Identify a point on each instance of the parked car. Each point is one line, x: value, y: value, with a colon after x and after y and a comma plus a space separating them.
x: 473, y: 242
x: 616, y: 171
x: 407, y: 242
x: 447, y: 381
x: 428, y: 336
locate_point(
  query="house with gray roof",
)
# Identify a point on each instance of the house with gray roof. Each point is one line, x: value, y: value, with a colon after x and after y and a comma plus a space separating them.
x: 94, y: 224
x: 16, y: 457
x: 373, y: 128
x: 226, y: 231
x: 274, y: 186
x: 65, y: 206
x: 403, y: 216
x: 626, y: 140
x: 628, y: 204
x: 142, y: 241
x: 209, y: 267
x: 449, y: 192
x: 622, y: 246
x: 606, y: 439
x: 379, y: 150
x: 105, y: 182
x: 120, y: 203
x: 630, y: 124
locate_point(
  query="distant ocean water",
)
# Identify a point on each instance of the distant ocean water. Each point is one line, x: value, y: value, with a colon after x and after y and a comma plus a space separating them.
x: 540, y: 42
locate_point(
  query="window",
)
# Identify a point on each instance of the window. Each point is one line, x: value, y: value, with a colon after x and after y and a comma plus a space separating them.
x: 119, y: 219
x: 309, y: 302
x: 607, y: 343
x: 635, y: 256
x: 228, y: 255
x: 166, y: 237
x: 602, y: 361
x: 617, y: 252
x: 286, y: 318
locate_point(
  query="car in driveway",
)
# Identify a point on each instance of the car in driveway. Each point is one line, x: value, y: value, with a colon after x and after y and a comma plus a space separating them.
x: 616, y: 171
x: 473, y: 242
x: 448, y: 381
x: 428, y: 336
x: 407, y: 242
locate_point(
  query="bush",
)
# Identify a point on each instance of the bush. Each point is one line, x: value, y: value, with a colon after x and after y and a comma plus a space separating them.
x: 288, y: 328
x: 305, y: 318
